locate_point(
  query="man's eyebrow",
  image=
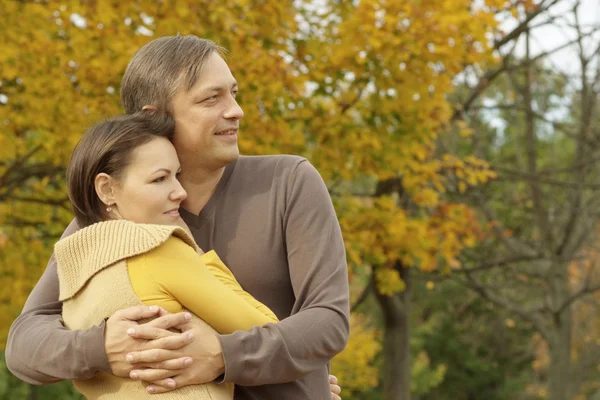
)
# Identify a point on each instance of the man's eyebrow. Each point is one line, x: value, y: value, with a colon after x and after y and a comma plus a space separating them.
x: 234, y: 85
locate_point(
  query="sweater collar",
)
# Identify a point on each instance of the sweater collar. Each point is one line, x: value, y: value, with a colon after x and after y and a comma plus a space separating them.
x: 91, y: 249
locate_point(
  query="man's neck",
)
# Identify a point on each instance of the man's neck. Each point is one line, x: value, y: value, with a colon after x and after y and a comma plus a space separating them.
x: 200, y: 187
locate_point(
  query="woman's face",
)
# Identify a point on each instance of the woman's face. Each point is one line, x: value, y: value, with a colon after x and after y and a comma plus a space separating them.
x: 148, y: 190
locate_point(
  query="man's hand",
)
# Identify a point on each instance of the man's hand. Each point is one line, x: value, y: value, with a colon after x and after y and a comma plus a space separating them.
x: 124, y: 335
x: 335, y: 389
x: 207, y: 365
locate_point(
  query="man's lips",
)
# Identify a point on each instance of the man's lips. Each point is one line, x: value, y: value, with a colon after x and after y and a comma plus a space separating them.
x: 227, y: 132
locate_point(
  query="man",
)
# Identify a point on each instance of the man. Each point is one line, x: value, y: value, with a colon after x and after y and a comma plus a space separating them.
x: 269, y: 218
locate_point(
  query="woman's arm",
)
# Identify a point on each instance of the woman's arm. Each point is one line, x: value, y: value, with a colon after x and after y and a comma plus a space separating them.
x: 212, y: 293
x: 224, y: 274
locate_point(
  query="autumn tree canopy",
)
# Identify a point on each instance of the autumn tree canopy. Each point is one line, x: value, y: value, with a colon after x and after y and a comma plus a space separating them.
x: 359, y: 88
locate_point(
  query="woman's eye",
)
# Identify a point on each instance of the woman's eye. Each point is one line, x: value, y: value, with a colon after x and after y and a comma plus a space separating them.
x: 158, y: 180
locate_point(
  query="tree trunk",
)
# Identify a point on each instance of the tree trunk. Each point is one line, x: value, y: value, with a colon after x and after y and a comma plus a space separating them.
x: 396, y: 372
x: 559, y: 346
x: 32, y: 392
x: 559, y: 371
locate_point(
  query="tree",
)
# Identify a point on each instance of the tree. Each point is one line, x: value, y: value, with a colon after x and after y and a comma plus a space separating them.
x: 545, y: 196
x: 360, y: 88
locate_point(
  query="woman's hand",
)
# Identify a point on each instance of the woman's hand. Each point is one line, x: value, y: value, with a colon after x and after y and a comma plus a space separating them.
x: 124, y: 336
x: 334, y: 387
x: 205, y: 351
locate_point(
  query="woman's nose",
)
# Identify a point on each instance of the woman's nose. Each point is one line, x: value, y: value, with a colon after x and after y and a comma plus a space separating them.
x: 179, y: 192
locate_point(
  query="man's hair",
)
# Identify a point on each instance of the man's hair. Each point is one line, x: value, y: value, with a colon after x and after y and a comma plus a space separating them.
x: 163, y: 66
x: 107, y: 147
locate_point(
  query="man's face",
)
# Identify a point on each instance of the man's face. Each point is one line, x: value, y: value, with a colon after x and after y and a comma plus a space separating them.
x: 207, y: 118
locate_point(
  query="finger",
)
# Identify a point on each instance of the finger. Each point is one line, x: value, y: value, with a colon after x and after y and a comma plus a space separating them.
x: 151, y: 356
x: 203, y: 328
x: 156, y: 389
x: 174, y: 342
x: 165, y: 384
x: 149, y: 333
x: 333, y: 379
x: 162, y: 312
x: 335, y: 389
x: 170, y: 320
x: 178, y: 363
x: 150, y: 374
x: 335, y: 397
x: 135, y: 313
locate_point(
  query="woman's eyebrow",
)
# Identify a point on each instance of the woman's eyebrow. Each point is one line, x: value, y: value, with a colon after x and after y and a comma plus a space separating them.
x: 168, y: 171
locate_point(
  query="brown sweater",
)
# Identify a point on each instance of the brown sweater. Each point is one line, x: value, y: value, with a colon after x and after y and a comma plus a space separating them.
x: 272, y: 222
x: 88, y: 263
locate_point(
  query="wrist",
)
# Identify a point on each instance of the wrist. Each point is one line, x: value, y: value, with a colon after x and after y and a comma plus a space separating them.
x: 95, y: 350
x: 218, y: 361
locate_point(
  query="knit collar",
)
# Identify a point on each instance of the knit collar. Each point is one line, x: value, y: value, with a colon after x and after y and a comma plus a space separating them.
x: 86, y: 252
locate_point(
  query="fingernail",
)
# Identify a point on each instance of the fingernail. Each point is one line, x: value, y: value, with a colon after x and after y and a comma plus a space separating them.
x: 190, y: 336
x: 187, y: 362
x: 131, y: 331
x: 150, y: 389
x: 153, y: 308
x: 188, y: 316
x: 133, y: 375
x: 171, y: 383
x: 129, y: 357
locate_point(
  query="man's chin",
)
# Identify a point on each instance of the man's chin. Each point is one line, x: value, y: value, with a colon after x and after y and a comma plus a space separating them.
x: 230, y: 156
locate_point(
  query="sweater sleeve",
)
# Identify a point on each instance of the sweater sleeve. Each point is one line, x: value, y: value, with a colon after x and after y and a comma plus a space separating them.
x: 212, y: 293
x: 40, y: 349
x: 318, y: 328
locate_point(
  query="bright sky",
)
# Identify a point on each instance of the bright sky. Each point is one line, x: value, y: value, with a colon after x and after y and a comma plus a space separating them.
x: 551, y: 36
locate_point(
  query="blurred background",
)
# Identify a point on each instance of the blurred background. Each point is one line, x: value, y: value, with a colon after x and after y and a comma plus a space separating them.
x: 459, y: 139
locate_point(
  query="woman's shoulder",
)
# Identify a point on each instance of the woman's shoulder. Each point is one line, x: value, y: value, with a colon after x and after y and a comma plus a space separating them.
x: 109, y: 241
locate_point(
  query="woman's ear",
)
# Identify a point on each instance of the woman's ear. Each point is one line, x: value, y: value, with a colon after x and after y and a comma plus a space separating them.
x: 105, y: 188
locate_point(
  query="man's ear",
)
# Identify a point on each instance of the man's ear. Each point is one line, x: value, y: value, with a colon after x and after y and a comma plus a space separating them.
x: 104, y: 185
x: 149, y: 107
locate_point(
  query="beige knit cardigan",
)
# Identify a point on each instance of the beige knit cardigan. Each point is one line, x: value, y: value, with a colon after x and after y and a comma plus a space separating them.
x: 94, y: 283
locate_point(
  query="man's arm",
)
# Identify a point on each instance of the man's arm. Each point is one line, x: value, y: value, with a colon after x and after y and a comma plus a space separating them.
x: 319, y: 325
x: 40, y: 350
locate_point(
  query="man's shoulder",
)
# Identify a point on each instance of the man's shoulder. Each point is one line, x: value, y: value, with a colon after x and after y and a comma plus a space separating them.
x: 282, y: 166
x: 273, y: 161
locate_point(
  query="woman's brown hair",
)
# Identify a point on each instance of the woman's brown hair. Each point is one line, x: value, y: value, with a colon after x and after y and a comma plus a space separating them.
x: 107, y: 148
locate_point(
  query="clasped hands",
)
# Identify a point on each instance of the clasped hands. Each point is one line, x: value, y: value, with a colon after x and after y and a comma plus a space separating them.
x: 167, y: 360
x: 151, y: 352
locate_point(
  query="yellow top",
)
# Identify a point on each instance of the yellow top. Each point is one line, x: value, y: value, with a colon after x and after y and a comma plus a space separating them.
x: 98, y: 267
x: 174, y: 277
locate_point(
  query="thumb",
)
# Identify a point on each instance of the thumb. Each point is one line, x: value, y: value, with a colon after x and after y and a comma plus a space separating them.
x: 136, y: 313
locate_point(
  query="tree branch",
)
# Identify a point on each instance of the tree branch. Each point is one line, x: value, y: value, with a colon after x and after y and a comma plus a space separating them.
x: 523, y: 26
x: 365, y: 293
x: 528, y: 315
x: 498, y: 263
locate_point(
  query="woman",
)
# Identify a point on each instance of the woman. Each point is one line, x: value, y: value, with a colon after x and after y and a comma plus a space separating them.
x: 134, y: 248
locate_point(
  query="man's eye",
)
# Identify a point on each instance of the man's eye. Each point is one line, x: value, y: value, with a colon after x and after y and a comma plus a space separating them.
x: 234, y: 93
